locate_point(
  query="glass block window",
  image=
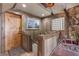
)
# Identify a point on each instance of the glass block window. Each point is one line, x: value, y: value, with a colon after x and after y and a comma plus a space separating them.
x: 58, y: 24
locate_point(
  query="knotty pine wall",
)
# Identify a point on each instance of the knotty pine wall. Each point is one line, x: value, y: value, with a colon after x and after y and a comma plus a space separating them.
x: 31, y: 32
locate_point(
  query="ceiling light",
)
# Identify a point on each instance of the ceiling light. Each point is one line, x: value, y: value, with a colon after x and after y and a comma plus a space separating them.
x: 17, y: 13
x: 42, y: 14
x: 24, y: 5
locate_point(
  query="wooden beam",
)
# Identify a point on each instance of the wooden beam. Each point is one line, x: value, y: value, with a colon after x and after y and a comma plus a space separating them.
x: 66, y: 22
x: 29, y: 14
x: 54, y: 16
x: 13, y: 6
x: 63, y: 14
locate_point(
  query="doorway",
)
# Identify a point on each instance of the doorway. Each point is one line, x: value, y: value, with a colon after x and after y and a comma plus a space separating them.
x: 13, y: 29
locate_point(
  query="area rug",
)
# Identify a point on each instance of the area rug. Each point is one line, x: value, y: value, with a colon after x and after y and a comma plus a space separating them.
x: 66, y: 50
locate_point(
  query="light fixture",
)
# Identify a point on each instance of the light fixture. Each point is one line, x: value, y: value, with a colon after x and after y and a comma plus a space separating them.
x: 24, y: 5
x: 43, y: 14
x: 48, y: 5
x: 17, y: 13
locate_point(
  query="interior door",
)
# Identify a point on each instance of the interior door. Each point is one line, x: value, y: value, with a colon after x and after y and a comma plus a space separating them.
x: 12, y: 31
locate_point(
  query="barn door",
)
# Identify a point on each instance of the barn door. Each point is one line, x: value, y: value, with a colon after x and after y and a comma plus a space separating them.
x: 12, y: 31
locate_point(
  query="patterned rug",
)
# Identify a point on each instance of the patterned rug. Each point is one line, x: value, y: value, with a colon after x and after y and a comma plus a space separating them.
x: 66, y: 50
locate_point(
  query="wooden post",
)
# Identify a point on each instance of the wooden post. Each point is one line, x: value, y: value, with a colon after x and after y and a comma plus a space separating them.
x: 67, y: 22
x: 40, y: 46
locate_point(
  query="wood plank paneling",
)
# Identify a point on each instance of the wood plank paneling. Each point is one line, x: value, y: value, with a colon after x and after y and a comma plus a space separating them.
x: 12, y: 31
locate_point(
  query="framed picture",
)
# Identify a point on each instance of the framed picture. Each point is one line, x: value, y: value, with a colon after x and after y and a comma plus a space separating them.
x: 33, y: 23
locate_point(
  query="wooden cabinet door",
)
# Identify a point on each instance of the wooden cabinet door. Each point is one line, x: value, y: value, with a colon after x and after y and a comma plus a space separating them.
x: 12, y: 29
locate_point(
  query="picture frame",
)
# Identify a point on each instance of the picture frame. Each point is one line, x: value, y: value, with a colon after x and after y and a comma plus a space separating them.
x: 33, y: 23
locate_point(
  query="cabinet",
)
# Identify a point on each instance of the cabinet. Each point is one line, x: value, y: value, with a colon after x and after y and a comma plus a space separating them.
x: 26, y: 42
x: 46, y: 43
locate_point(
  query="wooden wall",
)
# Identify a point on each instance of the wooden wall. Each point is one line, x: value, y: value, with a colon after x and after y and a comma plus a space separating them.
x: 46, y: 25
x: 0, y: 33
x: 0, y: 29
x: 30, y: 31
x: 12, y: 31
